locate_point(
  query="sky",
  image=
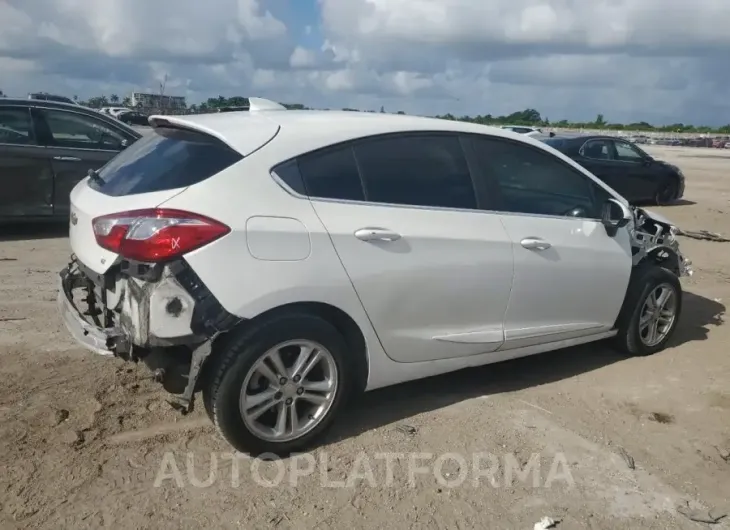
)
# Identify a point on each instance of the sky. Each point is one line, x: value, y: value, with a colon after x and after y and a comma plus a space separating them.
x: 662, y: 61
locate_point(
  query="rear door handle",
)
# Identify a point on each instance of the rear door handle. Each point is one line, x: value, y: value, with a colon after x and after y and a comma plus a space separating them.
x: 535, y: 243
x: 377, y: 234
x: 67, y: 158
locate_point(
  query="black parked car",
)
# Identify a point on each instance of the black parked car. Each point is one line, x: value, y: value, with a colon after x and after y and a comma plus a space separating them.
x: 624, y: 166
x: 46, y: 148
x: 133, y: 118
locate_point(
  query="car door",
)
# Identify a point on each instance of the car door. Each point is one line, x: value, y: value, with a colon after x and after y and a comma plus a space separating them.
x: 570, y: 276
x: 636, y: 172
x: 26, y: 177
x: 432, y: 271
x: 75, y: 142
x: 599, y: 157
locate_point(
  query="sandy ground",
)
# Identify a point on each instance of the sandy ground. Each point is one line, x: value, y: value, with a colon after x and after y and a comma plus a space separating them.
x: 86, y: 442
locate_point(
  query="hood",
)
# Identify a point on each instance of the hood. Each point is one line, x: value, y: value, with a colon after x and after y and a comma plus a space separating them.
x: 671, y: 167
x: 654, y: 216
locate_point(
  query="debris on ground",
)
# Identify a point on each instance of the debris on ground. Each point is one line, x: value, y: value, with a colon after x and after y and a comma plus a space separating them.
x: 407, y: 429
x: 60, y: 416
x: 627, y: 458
x: 8, y: 259
x: 700, y: 515
x: 661, y: 417
x: 11, y: 319
x: 703, y: 235
x: 724, y: 454
x: 545, y: 523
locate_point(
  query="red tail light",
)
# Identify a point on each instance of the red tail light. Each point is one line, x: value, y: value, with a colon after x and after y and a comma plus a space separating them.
x: 156, y: 234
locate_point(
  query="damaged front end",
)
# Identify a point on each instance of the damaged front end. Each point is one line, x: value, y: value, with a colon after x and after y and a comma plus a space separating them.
x: 654, y: 237
x: 161, y: 314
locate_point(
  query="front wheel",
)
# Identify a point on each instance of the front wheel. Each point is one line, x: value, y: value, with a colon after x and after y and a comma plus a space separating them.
x: 277, y: 387
x: 651, y: 311
x: 666, y: 194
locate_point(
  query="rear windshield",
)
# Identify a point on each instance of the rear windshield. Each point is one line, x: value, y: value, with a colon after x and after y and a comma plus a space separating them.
x: 164, y: 159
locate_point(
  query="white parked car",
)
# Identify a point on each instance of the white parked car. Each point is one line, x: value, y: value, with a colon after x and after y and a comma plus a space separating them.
x: 115, y: 112
x: 286, y: 260
x: 521, y: 129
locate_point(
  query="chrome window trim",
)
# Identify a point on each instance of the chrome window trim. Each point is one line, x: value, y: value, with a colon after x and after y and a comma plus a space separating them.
x: 298, y: 195
x: 581, y: 173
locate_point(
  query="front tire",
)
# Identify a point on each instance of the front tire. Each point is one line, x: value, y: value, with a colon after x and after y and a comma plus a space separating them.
x: 277, y: 388
x: 651, y: 311
x: 666, y: 193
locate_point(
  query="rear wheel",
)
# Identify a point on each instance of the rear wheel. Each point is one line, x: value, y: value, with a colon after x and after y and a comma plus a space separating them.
x: 651, y: 311
x: 278, y: 387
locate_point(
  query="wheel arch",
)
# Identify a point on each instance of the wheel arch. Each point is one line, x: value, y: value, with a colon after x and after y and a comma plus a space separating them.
x: 663, y: 256
x: 341, y: 320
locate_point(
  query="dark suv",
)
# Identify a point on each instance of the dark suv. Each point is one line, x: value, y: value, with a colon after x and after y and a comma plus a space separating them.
x: 46, y: 148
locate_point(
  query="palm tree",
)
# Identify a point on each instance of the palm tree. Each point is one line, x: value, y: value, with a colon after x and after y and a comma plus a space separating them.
x: 114, y: 98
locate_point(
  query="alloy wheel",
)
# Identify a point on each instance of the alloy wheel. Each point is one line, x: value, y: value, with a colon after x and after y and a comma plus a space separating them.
x: 289, y: 390
x: 658, y: 314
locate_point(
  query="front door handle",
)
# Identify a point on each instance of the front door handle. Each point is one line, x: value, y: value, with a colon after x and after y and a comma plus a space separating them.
x: 535, y: 243
x: 67, y: 158
x: 376, y: 234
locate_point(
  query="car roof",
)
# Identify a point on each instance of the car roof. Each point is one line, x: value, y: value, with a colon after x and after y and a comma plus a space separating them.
x: 45, y: 102
x: 307, y: 130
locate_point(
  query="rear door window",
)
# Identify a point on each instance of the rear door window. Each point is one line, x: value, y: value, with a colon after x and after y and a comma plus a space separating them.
x: 332, y: 174
x: 16, y: 126
x: 77, y: 131
x: 164, y: 159
x: 420, y: 170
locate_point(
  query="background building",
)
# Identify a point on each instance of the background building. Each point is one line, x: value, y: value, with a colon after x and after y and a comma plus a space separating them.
x: 146, y: 101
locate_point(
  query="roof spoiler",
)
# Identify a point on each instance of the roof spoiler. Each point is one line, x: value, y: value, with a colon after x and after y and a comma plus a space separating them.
x: 254, y: 105
x: 257, y: 104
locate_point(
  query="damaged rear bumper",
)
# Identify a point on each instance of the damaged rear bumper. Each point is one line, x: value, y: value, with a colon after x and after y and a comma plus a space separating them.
x: 136, y: 310
x: 92, y: 337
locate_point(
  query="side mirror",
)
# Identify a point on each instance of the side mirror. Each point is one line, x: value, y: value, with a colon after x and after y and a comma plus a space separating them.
x: 615, y: 215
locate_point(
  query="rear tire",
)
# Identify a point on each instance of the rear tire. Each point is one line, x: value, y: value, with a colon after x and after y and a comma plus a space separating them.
x: 238, y: 385
x: 637, y: 321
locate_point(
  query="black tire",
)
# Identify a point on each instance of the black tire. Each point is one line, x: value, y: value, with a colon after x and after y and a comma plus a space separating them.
x: 222, y: 390
x: 645, y: 279
x: 666, y: 193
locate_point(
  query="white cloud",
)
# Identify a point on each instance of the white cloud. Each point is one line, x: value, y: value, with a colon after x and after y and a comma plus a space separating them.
x: 302, y: 58
x: 664, y: 60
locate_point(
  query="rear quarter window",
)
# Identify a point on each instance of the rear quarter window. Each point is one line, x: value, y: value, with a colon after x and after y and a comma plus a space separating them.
x: 164, y: 159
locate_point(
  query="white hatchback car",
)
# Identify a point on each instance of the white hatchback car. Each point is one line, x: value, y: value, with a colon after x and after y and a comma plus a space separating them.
x: 285, y: 260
